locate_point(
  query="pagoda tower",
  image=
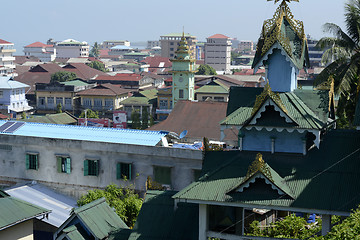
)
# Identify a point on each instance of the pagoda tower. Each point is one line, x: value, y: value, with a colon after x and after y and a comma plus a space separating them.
x: 282, y: 49
x: 183, y: 69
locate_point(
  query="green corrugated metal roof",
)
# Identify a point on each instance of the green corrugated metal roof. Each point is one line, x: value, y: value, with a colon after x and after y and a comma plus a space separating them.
x: 58, y: 118
x: 158, y: 219
x: 135, y: 101
x: 212, y: 89
x: 76, y: 83
x: 76, y: 233
x: 150, y: 93
x: 13, y: 211
x: 305, y: 107
x: 99, y: 218
x: 325, y: 179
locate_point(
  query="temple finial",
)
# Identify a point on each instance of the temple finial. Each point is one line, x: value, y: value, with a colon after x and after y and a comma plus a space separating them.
x: 283, y: 1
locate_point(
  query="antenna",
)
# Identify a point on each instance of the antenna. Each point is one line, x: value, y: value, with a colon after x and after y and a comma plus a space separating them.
x: 183, y: 134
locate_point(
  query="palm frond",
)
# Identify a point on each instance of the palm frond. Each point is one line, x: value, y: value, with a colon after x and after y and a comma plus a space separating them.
x: 331, y: 70
x: 339, y: 34
x: 333, y: 54
x: 352, y: 19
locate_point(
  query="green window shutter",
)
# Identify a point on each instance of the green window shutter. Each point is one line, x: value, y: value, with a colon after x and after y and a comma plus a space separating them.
x: 118, y: 171
x: 86, y: 167
x: 68, y: 165
x: 58, y: 162
x: 162, y: 175
x: 36, y: 157
x: 129, y: 170
x: 96, y: 168
x: 27, y: 160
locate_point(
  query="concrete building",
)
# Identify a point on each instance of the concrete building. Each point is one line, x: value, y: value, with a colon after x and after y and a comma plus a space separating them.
x: 246, y: 45
x: 152, y: 43
x: 218, y: 52
x: 44, y: 52
x: 7, y: 65
x: 315, y: 54
x: 120, y: 50
x: 170, y: 42
x: 112, y: 43
x: 71, y: 48
x: 12, y: 96
x: 74, y: 159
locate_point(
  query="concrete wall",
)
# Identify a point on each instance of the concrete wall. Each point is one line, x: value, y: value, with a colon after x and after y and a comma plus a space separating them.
x: 282, y: 76
x: 21, y: 231
x: 13, y: 166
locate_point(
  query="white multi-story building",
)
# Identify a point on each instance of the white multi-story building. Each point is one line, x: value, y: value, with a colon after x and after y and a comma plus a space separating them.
x: 218, y: 53
x: 112, y: 43
x: 12, y: 96
x: 71, y: 48
x: 7, y: 65
x: 45, y: 53
x: 152, y: 43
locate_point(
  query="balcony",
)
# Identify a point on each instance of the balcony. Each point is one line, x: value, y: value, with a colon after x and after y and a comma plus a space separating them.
x: 7, y: 59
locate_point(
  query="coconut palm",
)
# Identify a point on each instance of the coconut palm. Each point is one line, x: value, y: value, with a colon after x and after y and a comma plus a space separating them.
x: 343, y: 57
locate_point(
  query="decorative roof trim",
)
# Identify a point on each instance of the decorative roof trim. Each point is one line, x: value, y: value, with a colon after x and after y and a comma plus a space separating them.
x: 270, y: 102
x: 258, y: 165
x: 260, y: 99
x: 253, y: 179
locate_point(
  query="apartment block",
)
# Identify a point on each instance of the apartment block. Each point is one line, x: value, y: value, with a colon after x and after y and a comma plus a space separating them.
x: 218, y: 52
x: 170, y: 42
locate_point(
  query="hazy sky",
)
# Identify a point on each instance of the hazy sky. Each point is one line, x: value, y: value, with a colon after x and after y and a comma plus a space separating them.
x: 28, y: 21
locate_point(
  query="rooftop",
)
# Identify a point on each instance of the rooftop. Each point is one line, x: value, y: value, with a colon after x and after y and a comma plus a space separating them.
x: 92, y: 134
x: 8, y: 83
x: 219, y: 36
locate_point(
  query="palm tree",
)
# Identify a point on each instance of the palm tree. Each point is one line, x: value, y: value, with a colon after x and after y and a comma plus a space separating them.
x: 343, y: 57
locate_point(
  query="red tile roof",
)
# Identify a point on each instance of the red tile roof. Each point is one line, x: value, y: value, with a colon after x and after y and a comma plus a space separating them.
x: 83, y: 71
x: 249, y: 72
x: 38, y: 45
x: 4, y: 42
x: 31, y: 78
x: 121, y: 77
x: 23, y: 59
x: 47, y: 67
x: 218, y: 36
x: 106, y: 89
x: 189, y: 116
x: 158, y: 62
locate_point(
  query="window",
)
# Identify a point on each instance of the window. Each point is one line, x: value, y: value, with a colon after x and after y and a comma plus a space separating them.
x: 91, y: 167
x: 108, y: 102
x: 63, y: 164
x: 123, y: 171
x: 1, y: 94
x: 97, y: 102
x: 171, y: 49
x: 162, y: 175
x: 41, y: 101
x: 68, y: 101
x: 181, y: 93
x: 163, y: 104
x: 59, y: 100
x: 50, y: 101
x: 87, y: 102
x: 32, y: 161
x: 219, y: 99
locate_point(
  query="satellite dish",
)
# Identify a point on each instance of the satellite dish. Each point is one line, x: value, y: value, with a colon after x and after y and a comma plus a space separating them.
x: 183, y: 134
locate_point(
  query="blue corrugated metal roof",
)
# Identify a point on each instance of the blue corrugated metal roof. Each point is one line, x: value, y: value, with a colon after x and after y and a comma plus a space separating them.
x: 6, y: 83
x: 60, y: 205
x: 93, y: 134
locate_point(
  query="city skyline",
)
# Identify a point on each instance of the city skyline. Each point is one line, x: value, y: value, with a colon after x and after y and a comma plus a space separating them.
x: 148, y: 20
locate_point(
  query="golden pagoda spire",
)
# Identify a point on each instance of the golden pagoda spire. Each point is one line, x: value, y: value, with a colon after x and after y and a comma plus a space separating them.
x: 283, y: 1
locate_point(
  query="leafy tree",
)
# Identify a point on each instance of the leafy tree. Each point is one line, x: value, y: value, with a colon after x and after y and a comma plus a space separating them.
x: 62, y: 76
x: 135, y: 118
x: 23, y: 115
x: 97, y: 65
x: 95, y: 50
x: 205, y: 69
x: 343, y: 57
x: 290, y: 227
x: 235, y: 55
x: 145, y: 118
x: 59, y: 108
x: 125, y: 201
x: 89, y: 114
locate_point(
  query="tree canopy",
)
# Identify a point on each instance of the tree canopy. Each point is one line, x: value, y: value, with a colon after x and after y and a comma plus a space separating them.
x: 89, y: 114
x: 62, y: 76
x: 126, y: 203
x: 97, y: 65
x: 205, y: 69
x: 95, y: 50
x: 343, y: 56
